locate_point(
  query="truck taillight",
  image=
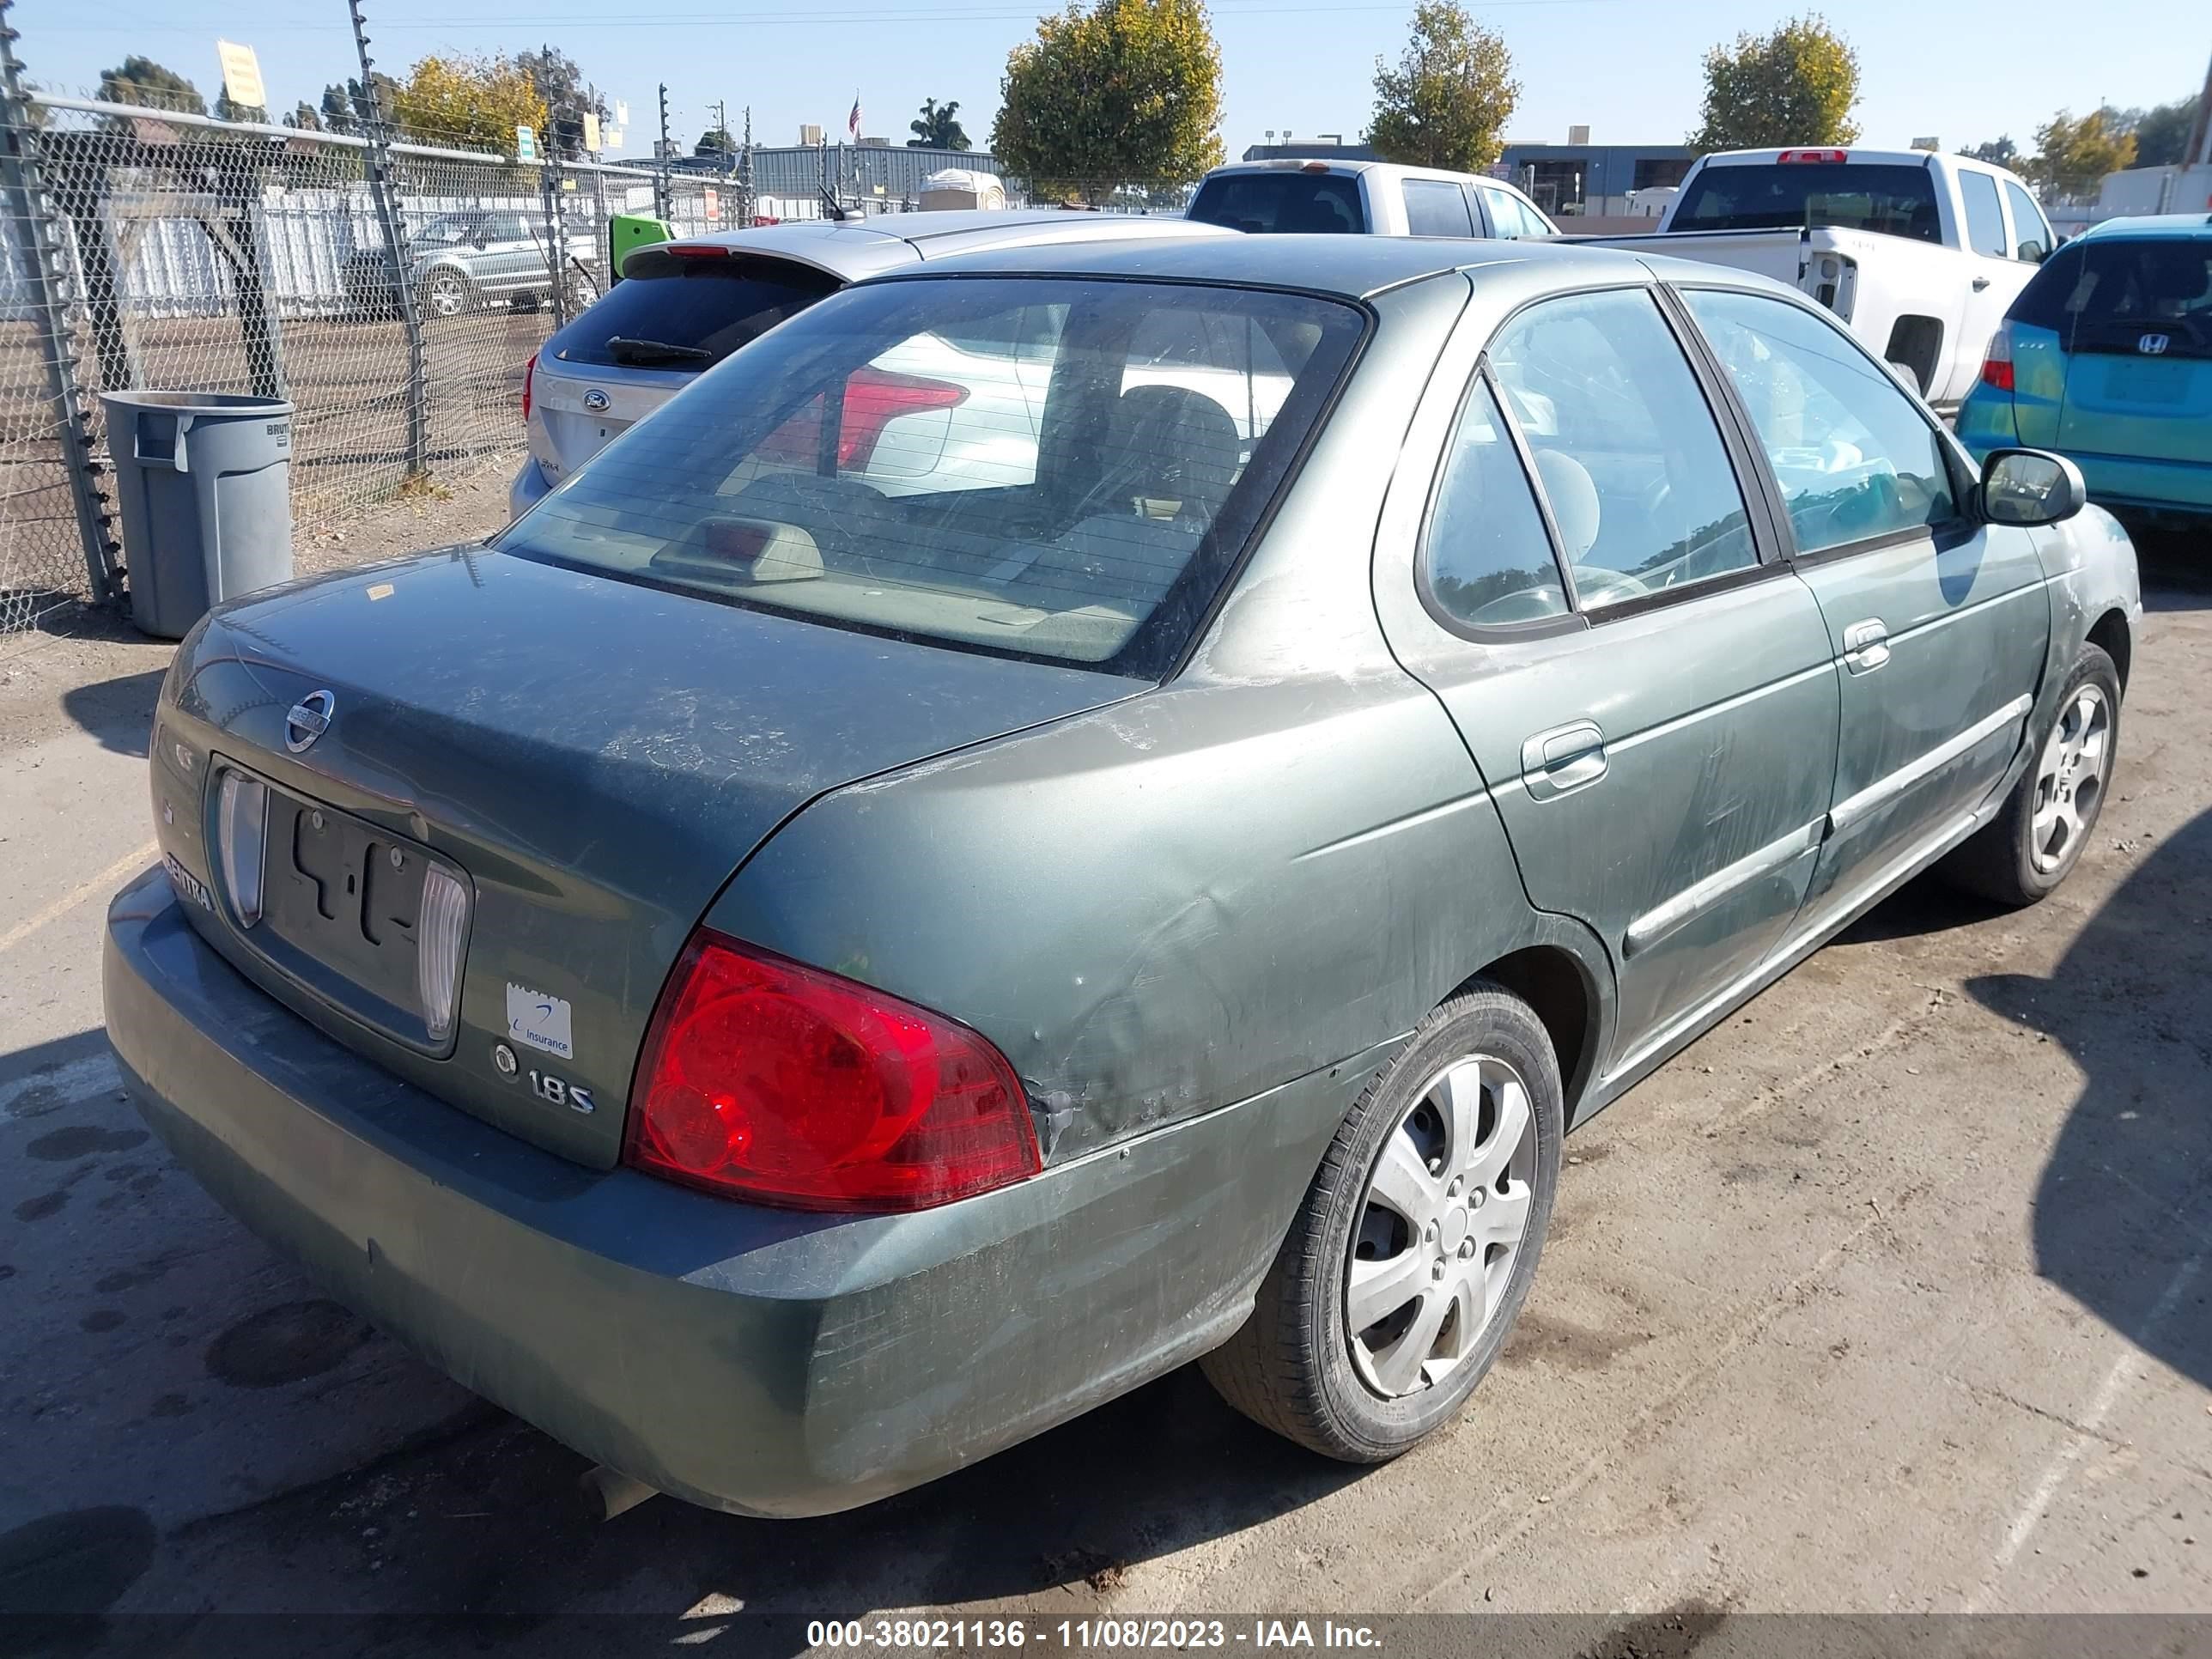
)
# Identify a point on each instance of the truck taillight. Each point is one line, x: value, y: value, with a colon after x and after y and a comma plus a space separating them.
x: 767, y: 1080
x: 529, y: 376
x: 1830, y: 157
x: 1997, y: 363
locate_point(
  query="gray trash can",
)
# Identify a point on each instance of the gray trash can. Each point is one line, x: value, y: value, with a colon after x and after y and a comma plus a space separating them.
x: 203, y: 480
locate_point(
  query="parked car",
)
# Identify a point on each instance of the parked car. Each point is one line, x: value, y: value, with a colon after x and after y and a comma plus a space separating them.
x: 793, y: 988
x: 1919, y: 253
x: 1377, y: 198
x: 684, y: 306
x: 2107, y: 359
x: 479, y: 256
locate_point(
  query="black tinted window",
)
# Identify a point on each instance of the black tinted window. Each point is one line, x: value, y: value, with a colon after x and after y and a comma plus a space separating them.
x: 1284, y: 202
x: 659, y: 316
x: 2115, y: 293
x: 2042, y: 303
x: 1985, y: 232
x: 1435, y: 207
x: 1896, y: 201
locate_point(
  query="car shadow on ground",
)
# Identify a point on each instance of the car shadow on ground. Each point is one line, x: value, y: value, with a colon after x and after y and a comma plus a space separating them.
x: 120, y: 712
x: 2122, y: 1214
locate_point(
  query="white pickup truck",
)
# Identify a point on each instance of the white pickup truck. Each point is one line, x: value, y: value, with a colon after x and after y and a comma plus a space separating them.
x: 1920, y: 253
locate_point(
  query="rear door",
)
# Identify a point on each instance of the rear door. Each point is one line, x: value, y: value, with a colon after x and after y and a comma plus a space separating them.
x: 1939, y: 622
x: 1651, y: 704
x: 1995, y: 276
x: 2138, y: 327
x: 1435, y: 207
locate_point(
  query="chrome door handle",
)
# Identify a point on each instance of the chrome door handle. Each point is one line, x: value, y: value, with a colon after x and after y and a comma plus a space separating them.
x: 1565, y: 757
x: 1866, y: 645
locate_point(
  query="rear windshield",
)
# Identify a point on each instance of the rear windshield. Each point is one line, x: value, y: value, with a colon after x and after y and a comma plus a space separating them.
x: 1896, y: 201
x: 2105, y: 296
x: 687, y: 313
x: 1061, y: 469
x: 1313, y: 203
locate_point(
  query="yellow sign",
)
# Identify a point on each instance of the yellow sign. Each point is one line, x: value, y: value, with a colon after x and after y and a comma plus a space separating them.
x: 242, y: 75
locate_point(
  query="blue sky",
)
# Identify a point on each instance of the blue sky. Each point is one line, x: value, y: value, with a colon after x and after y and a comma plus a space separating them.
x: 1963, y: 70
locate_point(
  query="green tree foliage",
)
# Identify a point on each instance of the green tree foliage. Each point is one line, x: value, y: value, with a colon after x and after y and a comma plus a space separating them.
x: 142, y: 81
x: 2162, y: 134
x: 1998, y: 152
x: 2072, y: 154
x: 1127, y: 91
x: 469, y: 102
x: 716, y: 140
x: 1795, y: 86
x: 225, y: 109
x: 937, y: 127
x: 306, y: 118
x: 1447, y: 102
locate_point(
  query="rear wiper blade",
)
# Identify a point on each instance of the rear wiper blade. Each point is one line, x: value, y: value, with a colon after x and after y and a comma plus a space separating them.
x: 625, y: 349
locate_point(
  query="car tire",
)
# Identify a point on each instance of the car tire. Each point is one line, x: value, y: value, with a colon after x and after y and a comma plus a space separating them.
x: 2021, y: 855
x: 1366, y: 1396
x: 448, y: 293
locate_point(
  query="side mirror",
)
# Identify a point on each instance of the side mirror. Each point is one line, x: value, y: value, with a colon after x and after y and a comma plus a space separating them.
x: 2031, y: 487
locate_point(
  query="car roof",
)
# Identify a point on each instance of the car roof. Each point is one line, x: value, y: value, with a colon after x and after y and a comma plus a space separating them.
x: 857, y: 247
x: 2152, y: 227
x: 1347, y: 267
x: 1353, y: 165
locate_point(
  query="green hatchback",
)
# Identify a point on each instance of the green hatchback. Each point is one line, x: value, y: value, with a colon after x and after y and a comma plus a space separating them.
x: 791, y: 987
x: 2106, y: 358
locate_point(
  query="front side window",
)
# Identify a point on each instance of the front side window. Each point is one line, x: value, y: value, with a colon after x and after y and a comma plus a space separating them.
x: 2030, y: 229
x: 1853, y: 455
x: 1986, y: 231
x: 1625, y: 447
x: 1081, y: 504
x: 1486, y: 556
x: 1435, y: 207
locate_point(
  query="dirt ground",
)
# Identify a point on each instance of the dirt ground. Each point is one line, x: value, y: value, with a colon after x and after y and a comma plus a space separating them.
x: 1888, y: 1296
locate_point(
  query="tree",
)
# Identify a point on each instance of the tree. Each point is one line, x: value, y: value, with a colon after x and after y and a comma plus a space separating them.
x: 566, y: 94
x: 1998, y: 152
x: 1127, y: 91
x: 142, y: 81
x: 225, y: 109
x: 469, y: 101
x: 304, y: 117
x: 2072, y: 156
x: 937, y: 129
x: 716, y: 140
x: 1447, y: 103
x: 1795, y: 86
x: 2162, y: 134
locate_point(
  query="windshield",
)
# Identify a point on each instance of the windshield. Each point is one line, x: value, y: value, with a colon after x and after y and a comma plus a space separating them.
x: 1281, y: 201
x: 1061, y: 469
x: 1891, y: 200
x: 2108, y: 296
x: 687, y: 313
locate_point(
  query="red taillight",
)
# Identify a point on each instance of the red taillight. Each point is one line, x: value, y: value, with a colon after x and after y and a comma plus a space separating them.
x: 874, y: 398
x: 766, y: 1081
x: 1997, y: 366
x: 529, y: 376
x: 1830, y: 157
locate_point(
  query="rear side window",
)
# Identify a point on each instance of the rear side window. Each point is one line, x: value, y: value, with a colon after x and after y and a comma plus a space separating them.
x: 1985, y: 232
x: 1894, y: 201
x: 856, y: 468
x: 1486, y: 557
x: 2030, y: 230
x: 2102, y: 296
x: 1284, y: 202
x: 1509, y: 217
x: 687, y: 314
x: 1435, y: 207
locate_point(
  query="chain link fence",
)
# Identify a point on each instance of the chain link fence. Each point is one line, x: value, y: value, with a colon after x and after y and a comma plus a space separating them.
x: 393, y: 294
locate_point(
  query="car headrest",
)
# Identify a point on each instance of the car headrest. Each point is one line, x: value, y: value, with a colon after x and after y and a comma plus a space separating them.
x: 1573, y: 496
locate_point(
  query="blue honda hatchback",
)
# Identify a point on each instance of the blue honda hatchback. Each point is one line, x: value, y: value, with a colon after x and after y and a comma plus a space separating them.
x: 2106, y: 358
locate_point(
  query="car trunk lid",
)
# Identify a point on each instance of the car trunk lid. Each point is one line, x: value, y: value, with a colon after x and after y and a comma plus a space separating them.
x: 2138, y: 320
x: 594, y: 758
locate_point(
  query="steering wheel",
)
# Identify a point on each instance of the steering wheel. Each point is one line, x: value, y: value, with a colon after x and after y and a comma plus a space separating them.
x: 1593, y: 586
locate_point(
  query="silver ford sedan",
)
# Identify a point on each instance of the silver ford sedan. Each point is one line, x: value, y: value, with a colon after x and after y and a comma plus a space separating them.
x: 792, y: 986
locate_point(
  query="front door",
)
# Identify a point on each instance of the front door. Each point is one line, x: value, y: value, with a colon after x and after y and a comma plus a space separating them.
x: 1939, y: 624
x: 1653, y: 707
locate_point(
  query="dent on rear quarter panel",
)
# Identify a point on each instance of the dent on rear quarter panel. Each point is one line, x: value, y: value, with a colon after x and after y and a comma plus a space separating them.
x: 1278, y: 860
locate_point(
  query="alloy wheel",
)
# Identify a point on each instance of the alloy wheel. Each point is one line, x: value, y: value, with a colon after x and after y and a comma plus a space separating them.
x: 1443, y: 1219
x: 448, y: 298
x: 2070, y: 777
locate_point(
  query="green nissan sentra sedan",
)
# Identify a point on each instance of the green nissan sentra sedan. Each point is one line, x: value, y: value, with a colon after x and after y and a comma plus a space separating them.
x: 792, y: 986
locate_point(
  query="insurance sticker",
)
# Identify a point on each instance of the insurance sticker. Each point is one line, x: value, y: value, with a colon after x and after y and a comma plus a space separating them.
x: 538, y: 1021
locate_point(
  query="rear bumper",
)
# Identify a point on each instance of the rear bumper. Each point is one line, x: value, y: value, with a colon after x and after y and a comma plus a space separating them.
x: 531, y: 486
x: 759, y: 1361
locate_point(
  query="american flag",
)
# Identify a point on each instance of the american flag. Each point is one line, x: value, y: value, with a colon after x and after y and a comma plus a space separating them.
x: 853, y: 121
